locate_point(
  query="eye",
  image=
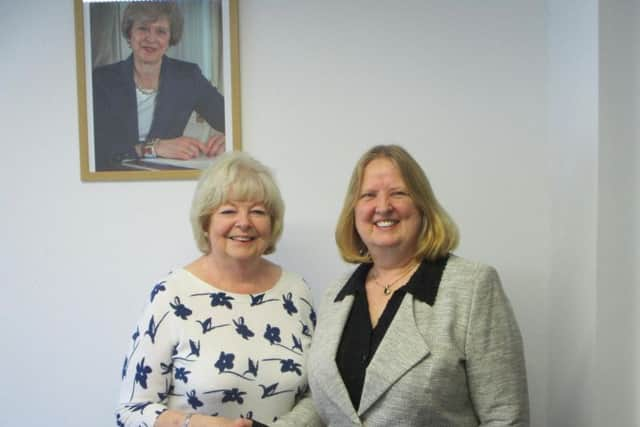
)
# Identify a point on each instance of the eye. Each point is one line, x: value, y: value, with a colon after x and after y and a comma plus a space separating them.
x: 226, y: 211
x: 399, y: 193
x: 367, y: 195
x: 259, y: 211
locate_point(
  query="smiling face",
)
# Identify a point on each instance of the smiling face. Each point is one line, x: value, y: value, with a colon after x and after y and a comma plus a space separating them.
x: 385, y: 216
x: 149, y: 40
x: 239, y: 230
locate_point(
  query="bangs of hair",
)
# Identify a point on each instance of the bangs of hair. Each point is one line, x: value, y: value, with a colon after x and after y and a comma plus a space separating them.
x: 247, y: 186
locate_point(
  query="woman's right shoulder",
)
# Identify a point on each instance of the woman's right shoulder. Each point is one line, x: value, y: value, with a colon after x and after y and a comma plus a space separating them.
x: 109, y: 71
x: 337, y: 284
x: 175, y: 283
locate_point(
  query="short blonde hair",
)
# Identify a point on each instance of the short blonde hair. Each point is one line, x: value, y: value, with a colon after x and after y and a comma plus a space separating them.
x: 235, y: 176
x: 439, y: 234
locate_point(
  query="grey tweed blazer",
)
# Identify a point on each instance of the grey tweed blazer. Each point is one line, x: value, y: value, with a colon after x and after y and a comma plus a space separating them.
x: 457, y: 363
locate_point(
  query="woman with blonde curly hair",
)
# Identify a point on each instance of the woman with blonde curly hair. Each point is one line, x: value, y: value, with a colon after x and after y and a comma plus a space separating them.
x: 225, y: 337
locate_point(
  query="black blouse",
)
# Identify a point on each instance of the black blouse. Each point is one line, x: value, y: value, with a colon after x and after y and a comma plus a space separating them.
x: 359, y: 340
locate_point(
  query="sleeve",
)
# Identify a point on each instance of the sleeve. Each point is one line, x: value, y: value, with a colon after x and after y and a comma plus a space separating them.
x: 147, y: 379
x: 210, y: 103
x: 495, y: 357
x: 110, y: 141
x: 303, y: 414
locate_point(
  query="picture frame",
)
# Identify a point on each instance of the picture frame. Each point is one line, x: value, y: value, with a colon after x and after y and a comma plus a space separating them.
x: 110, y: 106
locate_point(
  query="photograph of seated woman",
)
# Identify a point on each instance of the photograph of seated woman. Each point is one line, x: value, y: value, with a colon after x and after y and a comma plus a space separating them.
x: 141, y: 105
x: 415, y: 335
x: 223, y: 341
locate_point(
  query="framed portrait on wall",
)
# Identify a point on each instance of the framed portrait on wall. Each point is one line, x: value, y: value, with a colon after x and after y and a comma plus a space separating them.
x: 158, y: 87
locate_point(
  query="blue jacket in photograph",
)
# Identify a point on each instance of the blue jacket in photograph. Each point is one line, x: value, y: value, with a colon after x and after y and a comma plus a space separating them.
x: 182, y: 90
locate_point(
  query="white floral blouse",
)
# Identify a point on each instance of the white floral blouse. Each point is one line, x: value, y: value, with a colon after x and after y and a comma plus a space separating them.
x: 198, y: 349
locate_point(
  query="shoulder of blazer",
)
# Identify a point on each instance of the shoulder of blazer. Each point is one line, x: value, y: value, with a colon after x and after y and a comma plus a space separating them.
x: 118, y: 73
x: 463, y: 274
x: 463, y: 282
x: 334, y: 288
x: 176, y: 67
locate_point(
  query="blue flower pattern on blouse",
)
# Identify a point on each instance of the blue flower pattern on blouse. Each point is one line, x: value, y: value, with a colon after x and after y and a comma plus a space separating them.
x: 142, y: 371
x: 166, y: 392
x: 233, y: 395
x: 230, y: 395
x: 287, y: 365
x: 271, y: 390
x: 208, y: 326
x: 152, y: 329
x: 138, y: 407
x: 180, y: 309
x: 182, y: 374
x: 312, y: 314
x: 162, y: 377
x: 272, y: 334
x: 193, y: 400
x: 252, y: 368
x: 225, y: 361
x: 259, y: 299
x: 157, y: 289
x: 242, y: 328
x: 288, y: 304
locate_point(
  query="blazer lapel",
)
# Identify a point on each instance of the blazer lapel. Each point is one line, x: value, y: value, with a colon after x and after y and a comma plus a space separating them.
x: 327, y: 338
x: 402, y: 347
x: 127, y: 90
x: 163, y: 103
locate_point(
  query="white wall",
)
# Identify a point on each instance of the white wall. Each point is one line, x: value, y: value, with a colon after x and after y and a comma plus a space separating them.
x: 573, y: 185
x: 635, y: 89
x: 617, y: 215
x: 473, y: 90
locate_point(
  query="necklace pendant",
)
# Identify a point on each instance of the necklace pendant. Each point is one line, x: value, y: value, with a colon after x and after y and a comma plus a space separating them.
x: 387, y: 290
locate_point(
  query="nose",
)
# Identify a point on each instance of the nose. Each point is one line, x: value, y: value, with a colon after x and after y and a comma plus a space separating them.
x: 382, y: 204
x: 243, y: 222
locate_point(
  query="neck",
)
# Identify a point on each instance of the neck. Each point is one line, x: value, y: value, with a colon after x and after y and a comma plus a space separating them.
x: 390, y: 260
x: 392, y: 271
x: 146, y: 75
x: 235, y: 271
x: 243, y: 277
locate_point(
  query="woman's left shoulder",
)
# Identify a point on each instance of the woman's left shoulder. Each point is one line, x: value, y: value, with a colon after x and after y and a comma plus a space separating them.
x: 462, y: 265
x: 466, y: 274
x: 294, y: 281
x: 296, y: 285
x: 177, y: 65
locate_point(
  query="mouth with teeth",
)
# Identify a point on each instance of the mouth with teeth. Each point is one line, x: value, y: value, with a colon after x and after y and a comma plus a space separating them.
x: 242, y: 238
x: 385, y: 223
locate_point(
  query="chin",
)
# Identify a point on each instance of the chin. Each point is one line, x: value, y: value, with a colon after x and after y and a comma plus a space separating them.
x: 245, y: 256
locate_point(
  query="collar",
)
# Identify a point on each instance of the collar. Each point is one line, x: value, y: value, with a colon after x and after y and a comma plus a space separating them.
x: 423, y: 284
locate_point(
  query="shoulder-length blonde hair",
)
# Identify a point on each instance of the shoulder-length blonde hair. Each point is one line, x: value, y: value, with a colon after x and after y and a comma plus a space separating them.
x: 439, y: 234
x: 236, y: 176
